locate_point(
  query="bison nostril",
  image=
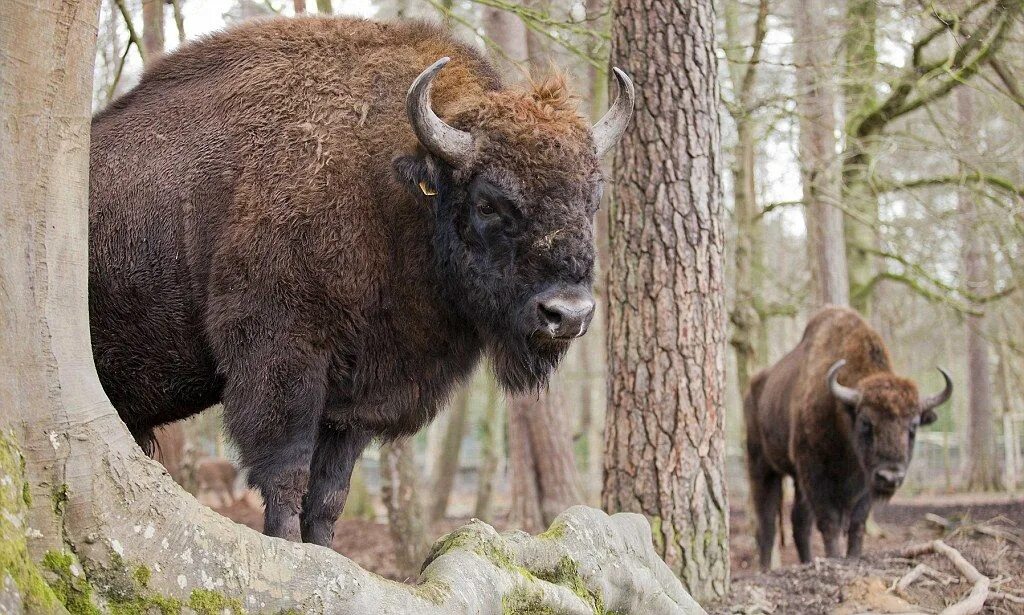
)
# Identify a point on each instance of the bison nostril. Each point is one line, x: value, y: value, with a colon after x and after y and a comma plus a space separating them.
x: 549, y: 315
x: 565, y: 312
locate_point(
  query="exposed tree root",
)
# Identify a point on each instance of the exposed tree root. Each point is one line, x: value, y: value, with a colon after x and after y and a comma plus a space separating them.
x: 975, y: 600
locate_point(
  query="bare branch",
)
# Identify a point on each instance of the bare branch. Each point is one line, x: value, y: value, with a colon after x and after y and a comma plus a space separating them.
x: 133, y: 35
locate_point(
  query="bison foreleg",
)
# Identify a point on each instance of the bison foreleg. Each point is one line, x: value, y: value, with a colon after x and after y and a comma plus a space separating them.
x: 766, y: 492
x: 802, y: 520
x: 331, y: 470
x: 272, y: 408
x: 858, y: 517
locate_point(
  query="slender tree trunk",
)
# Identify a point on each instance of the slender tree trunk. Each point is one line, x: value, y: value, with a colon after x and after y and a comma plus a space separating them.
x: 545, y: 480
x: 405, y: 514
x: 818, y: 161
x: 446, y: 468
x: 982, y: 468
x: 300, y: 6
x: 860, y: 229
x: 526, y: 512
x: 153, y: 29
x: 490, y: 432
x: 324, y: 7
x: 506, y: 30
x: 179, y: 19
x: 664, y: 438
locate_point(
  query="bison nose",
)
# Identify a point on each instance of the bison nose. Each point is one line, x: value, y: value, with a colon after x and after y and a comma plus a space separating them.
x: 890, y: 478
x: 565, y: 312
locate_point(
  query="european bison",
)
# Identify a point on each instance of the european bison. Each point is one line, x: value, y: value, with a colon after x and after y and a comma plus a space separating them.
x: 845, y: 445
x: 279, y: 222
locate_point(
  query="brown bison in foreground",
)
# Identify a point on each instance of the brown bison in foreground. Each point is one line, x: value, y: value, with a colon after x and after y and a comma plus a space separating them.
x: 832, y: 415
x: 279, y: 222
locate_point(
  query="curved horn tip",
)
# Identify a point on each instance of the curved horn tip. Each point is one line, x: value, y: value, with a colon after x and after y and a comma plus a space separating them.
x: 451, y: 144
x: 841, y: 392
x: 609, y: 128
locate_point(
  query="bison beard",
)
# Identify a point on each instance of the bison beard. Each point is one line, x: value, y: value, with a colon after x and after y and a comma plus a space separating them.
x: 280, y: 223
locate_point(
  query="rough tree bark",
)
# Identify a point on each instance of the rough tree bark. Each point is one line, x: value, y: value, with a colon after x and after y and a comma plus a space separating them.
x: 664, y: 439
x: 79, y: 500
x: 982, y: 469
x: 818, y: 162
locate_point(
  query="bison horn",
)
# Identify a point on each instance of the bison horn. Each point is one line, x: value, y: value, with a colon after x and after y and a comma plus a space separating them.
x: 934, y: 401
x: 450, y: 144
x: 608, y: 130
x: 848, y: 396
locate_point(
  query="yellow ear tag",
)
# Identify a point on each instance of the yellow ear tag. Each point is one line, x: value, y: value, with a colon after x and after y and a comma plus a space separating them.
x: 427, y: 190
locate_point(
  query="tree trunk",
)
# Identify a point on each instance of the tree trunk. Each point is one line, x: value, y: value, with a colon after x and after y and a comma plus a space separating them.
x: 506, y: 30
x: 446, y: 468
x: 746, y: 315
x: 300, y: 6
x: 818, y: 162
x: 525, y: 492
x: 405, y: 514
x: 545, y: 479
x: 860, y: 230
x: 324, y: 7
x: 152, y: 29
x: 664, y: 438
x: 491, y: 433
x: 982, y: 471
x: 112, y: 532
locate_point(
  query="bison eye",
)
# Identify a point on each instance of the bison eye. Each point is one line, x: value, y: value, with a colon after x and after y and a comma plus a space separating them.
x: 865, y: 429
x: 485, y: 209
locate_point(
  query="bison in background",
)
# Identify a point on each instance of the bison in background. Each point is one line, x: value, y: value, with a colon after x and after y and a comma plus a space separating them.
x: 834, y: 416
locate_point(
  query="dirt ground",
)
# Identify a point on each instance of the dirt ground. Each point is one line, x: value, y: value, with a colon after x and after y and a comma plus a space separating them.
x: 988, y: 531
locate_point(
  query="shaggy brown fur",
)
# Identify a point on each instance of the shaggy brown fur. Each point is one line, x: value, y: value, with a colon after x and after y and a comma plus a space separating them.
x: 258, y: 237
x: 796, y: 427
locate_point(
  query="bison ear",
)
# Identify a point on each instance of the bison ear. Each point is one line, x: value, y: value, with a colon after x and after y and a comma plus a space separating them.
x: 417, y: 173
x: 928, y: 417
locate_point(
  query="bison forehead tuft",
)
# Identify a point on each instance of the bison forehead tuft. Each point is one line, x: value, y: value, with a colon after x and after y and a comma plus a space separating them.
x: 890, y: 393
x: 536, y: 129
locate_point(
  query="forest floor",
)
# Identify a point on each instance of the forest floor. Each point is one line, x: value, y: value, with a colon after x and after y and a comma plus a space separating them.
x: 987, y: 530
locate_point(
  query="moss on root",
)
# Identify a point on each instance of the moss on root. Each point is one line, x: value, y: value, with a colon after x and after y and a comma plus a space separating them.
x: 15, y: 562
x: 525, y: 601
x: 566, y: 573
x: 208, y: 602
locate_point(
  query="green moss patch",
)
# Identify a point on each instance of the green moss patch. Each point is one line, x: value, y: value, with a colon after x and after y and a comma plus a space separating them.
x: 15, y: 563
x: 208, y: 602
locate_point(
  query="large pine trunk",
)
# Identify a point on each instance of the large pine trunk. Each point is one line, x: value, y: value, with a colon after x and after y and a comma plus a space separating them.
x: 664, y: 439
